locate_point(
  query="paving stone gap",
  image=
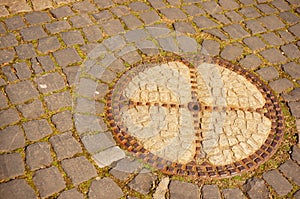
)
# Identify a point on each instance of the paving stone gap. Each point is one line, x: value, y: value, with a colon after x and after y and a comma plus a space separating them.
x: 149, y: 99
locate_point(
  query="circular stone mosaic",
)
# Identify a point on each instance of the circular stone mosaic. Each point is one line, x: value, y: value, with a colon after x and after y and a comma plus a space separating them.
x: 208, y: 118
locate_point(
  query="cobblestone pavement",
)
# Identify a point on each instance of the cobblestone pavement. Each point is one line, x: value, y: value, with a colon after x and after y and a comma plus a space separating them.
x: 69, y: 91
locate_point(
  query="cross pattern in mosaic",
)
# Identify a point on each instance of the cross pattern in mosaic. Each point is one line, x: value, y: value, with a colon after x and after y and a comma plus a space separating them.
x: 210, y: 119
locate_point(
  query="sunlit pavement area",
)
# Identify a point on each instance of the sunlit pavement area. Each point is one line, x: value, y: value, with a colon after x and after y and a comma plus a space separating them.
x: 149, y: 99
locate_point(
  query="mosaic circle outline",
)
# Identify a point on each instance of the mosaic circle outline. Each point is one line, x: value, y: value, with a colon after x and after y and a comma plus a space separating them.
x: 204, y: 170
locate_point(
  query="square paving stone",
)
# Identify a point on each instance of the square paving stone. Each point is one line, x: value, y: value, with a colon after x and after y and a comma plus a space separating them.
x: 37, y: 17
x: 45, y: 62
x: 157, y: 4
x: 2, y: 28
x: 48, y: 44
x: 66, y: 56
x: 138, y: 6
x: 210, y: 47
x: 33, y: 33
x: 235, y: 193
x: 265, y: 8
x: 9, y: 116
x: 179, y: 190
x: 92, y: 33
x: 21, y: 92
x: 108, y: 156
x: 295, y: 107
x: 131, y: 21
x: 289, y: 17
x: 84, y: 6
x: 80, y: 21
x: 255, y: 27
x: 71, y: 73
x: 31, y: 110
x: 103, y: 16
x: 113, y: 27
x: 273, y: 55
x: 272, y: 22
x: 63, y: 121
x: 143, y: 181
x: 48, y: 181
x: 59, y: 100
x: 25, y: 51
x: 50, y: 82
x: 8, y: 40
x: 15, y: 22
x: 289, y: 169
x: 79, y: 169
x: 58, y: 26
x: 38, y: 155
x: 149, y: 17
x: 3, y: 100
x: 211, y: 7
x: 286, y: 36
x: 16, y: 189
x: 221, y: 18
x: 71, y: 194
x: 256, y: 188
x: 291, y: 51
x: 204, y: 22
x: 98, y: 142
x: 272, y: 39
x: 8, y: 71
x: 231, y: 52
x: 210, y: 191
x: 254, y: 43
x: 104, y: 3
x: 229, y: 4
x: 278, y: 182
x: 281, y: 5
x: 268, y: 73
x: 250, y: 12
x: 193, y: 10
x: 281, y: 85
x: 22, y: 70
x: 72, y: 38
x: 125, y: 168
x: 295, y: 29
x: 173, y: 13
x: 11, y: 165
x: 236, y: 31
x: 37, y: 129
x: 184, y: 27
x: 61, y: 12
x: 41, y: 5
x: 251, y: 62
x: 293, y: 69
x: 105, y: 188
x: 65, y: 145
x: 11, y: 138
x: 296, y: 154
x: 119, y: 11
x: 234, y: 16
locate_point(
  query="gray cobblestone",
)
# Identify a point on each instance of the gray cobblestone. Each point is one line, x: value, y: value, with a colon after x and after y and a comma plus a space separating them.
x: 273, y: 55
x: 138, y: 6
x: 57, y: 26
x: 58, y: 100
x: 204, y: 22
x: 268, y: 73
x: 16, y: 189
x: 143, y: 182
x: 65, y: 145
x: 66, y: 56
x: 71, y: 73
x: 210, y: 192
x: 63, y: 121
x: 25, y: 51
x: 50, y: 82
x: 295, y: 29
x: 278, y: 182
x: 255, y: 26
x: 157, y: 4
x: 105, y: 188
x: 254, y: 43
x: 80, y: 21
x: 71, y: 194
x: 98, y: 142
x: 235, y: 193
x: 37, y: 129
x: 11, y: 165
x: 131, y: 21
x: 22, y: 70
x: 293, y: 69
x: 289, y: 169
x: 84, y: 7
x: 231, y: 52
x: 281, y: 5
x: 281, y: 85
x: 180, y: 190
x: 93, y: 33
x: 250, y: 12
x: 72, y: 38
x: 15, y: 23
x: 272, y: 39
x: 265, y: 8
x: 79, y: 169
x: 295, y: 108
x: 103, y: 16
x: 108, y: 156
x: 125, y: 168
x: 113, y: 27
x: 291, y: 50
x: 3, y: 101
x: 184, y: 27
x: 41, y: 5
x: 21, y: 92
x: 33, y: 33
x: 8, y: 40
x: 296, y: 154
x: 193, y: 10
x: 173, y: 13
x: 8, y: 116
x: 234, y: 16
x: 9, y: 73
x: 104, y: 3
x: 61, y: 12
x: 210, y: 47
x: 149, y: 17
x: 187, y: 44
x: 11, y: 138
x: 211, y: 7
x: 89, y: 123
x: 48, y: 181
x: 48, y: 44
x: 120, y: 11
x: 38, y: 155
x: 236, y: 31
x: 37, y: 17
x: 256, y: 189
x: 168, y: 44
